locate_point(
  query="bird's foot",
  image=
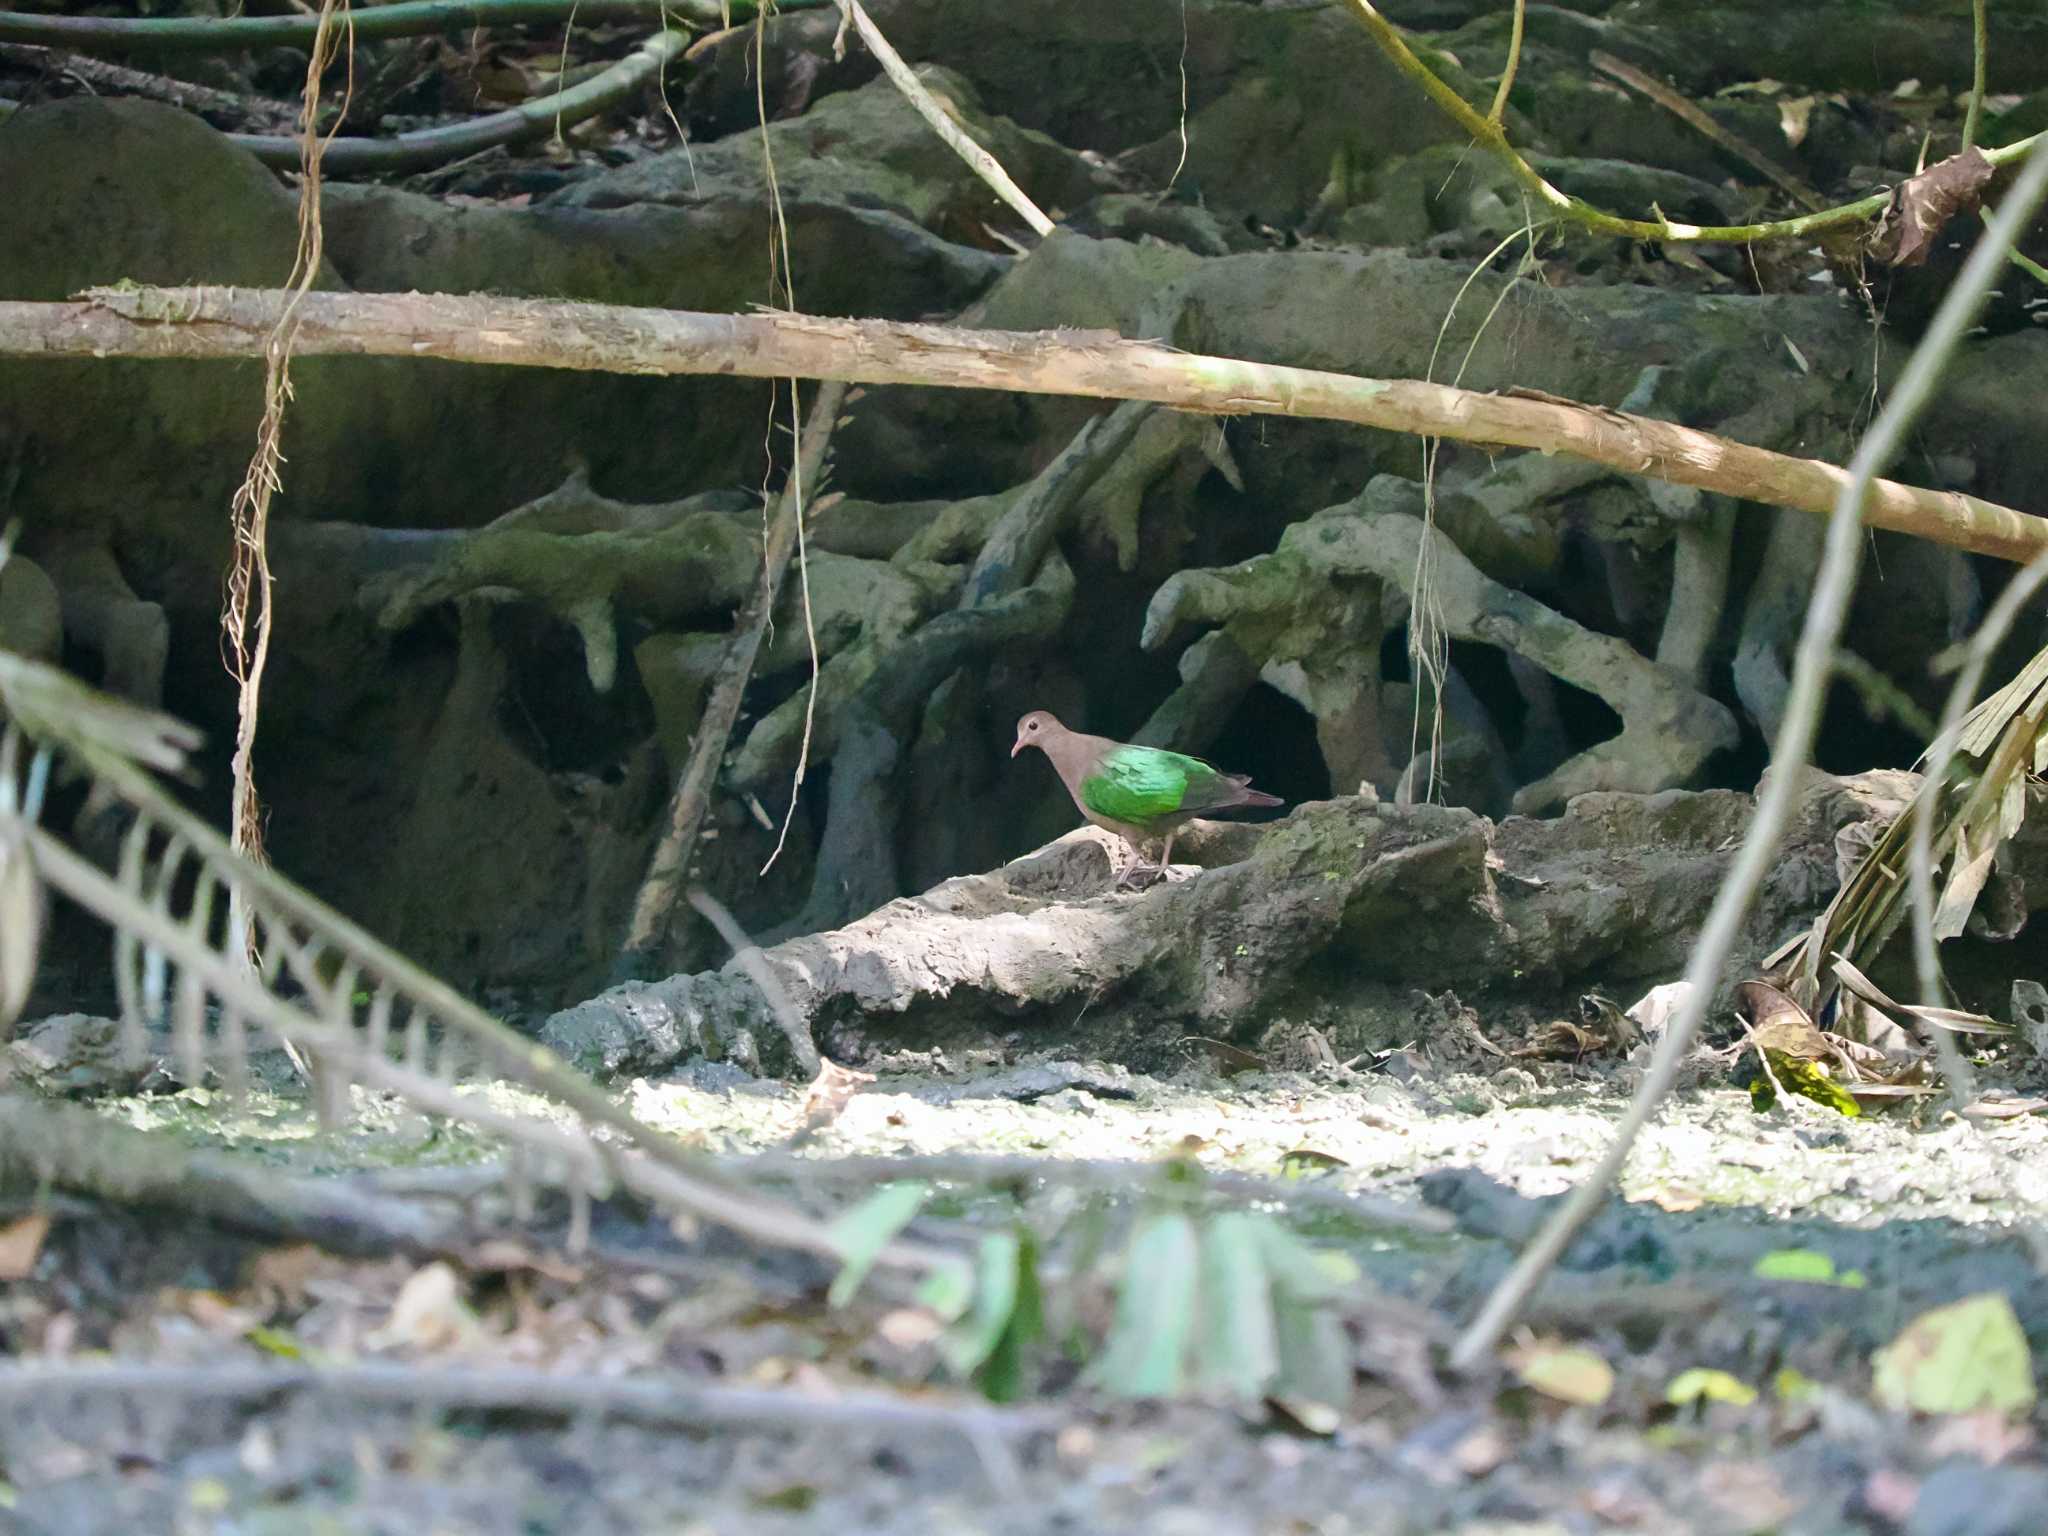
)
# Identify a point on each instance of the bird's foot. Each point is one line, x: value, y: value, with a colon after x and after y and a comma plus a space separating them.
x: 1139, y: 877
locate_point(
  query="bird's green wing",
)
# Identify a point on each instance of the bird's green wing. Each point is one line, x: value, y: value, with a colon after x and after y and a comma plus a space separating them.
x: 1141, y: 784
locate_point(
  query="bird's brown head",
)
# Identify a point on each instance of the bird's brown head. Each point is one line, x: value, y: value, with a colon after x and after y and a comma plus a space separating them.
x: 1034, y: 729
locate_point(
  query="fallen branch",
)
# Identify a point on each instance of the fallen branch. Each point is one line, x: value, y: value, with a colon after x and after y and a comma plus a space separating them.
x: 133, y: 321
x: 221, y: 108
x: 642, y: 1399
x: 656, y: 901
x: 1108, y: 1175
x: 82, y: 1152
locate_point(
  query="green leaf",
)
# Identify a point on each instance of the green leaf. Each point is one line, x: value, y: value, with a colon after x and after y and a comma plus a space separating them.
x: 1794, y: 1386
x: 1959, y: 1358
x: 1702, y: 1385
x: 275, y: 1341
x: 860, y: 1235
x: 1806, y: 1266
x: 1806, y: 1079
x: 1146, y: 1353
x: 1237, y: 1351
x: 1007, y: 1374
x: 973, y: 1338
x: 947, y: 1290
x: 1315, y: 1356
x: 1301, y: 1271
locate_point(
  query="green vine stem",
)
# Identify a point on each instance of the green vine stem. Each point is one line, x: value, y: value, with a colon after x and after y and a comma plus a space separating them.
x: 1980, y: 48
x: 437, y: 146
x: 408, y: 18
x: 1507, y: 75
x: 1562, y: 208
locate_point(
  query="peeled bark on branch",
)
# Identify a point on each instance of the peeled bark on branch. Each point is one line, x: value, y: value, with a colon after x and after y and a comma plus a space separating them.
x: 220, y: 322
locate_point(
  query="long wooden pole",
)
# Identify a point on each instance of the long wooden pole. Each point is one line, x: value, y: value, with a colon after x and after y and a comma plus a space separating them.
x: 535, y: 333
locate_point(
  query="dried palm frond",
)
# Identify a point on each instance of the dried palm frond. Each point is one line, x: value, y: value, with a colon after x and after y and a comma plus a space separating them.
x: 365, y: 1015
x: 2001, y: 745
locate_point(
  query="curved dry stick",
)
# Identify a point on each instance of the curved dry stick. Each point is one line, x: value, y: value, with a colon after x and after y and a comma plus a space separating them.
x: 1790, y: 754
x: 656, y: 900
x: 137, y: 321
x: 979, y: 160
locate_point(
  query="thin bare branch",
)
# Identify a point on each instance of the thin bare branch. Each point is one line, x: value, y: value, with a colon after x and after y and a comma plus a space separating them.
x: 1813, y: 666
x: 979, y: 160
x: 667, y: 869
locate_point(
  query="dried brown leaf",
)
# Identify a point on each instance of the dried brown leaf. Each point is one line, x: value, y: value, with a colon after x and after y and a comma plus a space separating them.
x: 830, y: 1091
x: 1923, y: 205
x: 1778, y: 1023
x: 20, y: 1243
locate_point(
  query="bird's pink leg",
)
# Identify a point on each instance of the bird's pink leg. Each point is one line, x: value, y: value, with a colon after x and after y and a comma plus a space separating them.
x: 1138, y: 866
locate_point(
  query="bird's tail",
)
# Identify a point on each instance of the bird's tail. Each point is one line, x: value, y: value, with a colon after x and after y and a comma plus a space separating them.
x: 1246, y: 795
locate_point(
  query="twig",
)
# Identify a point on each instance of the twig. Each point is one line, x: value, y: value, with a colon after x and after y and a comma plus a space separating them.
x: 1507, y: 75
x: 131, y: 321
x: 218, y: 107
x: 1813, y: 665
x: 1109, y: 1175
x: 979, y: 160
x: 1708, y: 129
x: 656, y: 900
x: 1572, y: 210
x: 653, y: 1400
x: 82, y: 1151
x: 748, y: 953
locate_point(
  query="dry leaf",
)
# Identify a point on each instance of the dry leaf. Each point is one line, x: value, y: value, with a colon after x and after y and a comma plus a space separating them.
x: 829, y: 1092
x: 1794, y: 118
x: 1778, y: 1023
x: 1923, y: 205
x: 428, y: 1313
x: 1570, y: 1373
x: 20, y: 1242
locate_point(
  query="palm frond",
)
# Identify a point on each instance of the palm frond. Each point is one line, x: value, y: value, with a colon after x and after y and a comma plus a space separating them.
x: 363, y: 1014
x: 2001, y: 745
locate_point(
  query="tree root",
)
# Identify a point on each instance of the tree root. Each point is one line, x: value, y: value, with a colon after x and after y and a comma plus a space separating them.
x: 1277, y: 608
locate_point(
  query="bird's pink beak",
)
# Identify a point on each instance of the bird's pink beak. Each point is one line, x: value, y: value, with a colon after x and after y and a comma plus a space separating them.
x: 1017, y: 746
